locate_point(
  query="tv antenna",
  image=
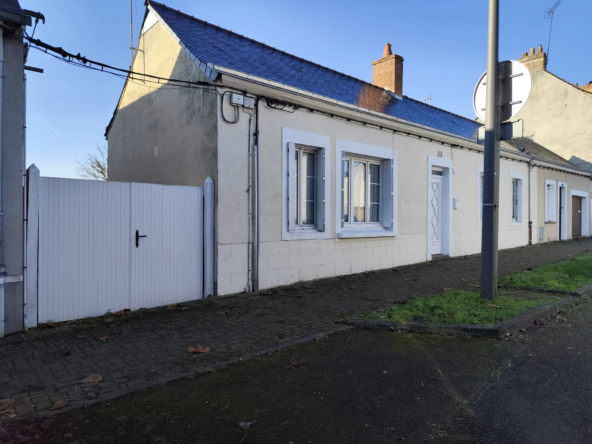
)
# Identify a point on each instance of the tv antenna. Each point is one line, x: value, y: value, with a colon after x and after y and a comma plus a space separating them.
x: 429, y: 98
x: 550, y: 14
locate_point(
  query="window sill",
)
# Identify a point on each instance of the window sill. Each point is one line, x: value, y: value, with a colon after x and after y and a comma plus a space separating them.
x: 514, y: 223
x: 379, y: 232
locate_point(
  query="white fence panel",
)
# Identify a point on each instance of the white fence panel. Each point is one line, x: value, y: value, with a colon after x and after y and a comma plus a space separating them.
x: 167, y: 264
x: 84, y: 254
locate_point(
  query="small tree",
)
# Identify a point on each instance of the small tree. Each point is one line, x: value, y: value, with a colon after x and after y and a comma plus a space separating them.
x: 94, y: 166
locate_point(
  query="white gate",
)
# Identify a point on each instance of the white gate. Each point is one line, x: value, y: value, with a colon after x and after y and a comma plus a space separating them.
x: 107, y: 246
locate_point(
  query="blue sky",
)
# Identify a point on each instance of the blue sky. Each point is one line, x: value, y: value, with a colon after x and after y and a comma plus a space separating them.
x: 443, y: 44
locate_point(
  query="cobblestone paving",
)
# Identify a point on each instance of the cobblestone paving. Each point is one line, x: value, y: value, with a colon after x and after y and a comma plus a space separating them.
x: 148, y: 347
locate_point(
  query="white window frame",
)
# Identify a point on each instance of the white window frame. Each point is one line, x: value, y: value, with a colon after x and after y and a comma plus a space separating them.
x: 322, y: 144
x: 517, y: 176
x: 480, y: 182
x: 375, y: 154
x: 550, y: 211
x: 367, y: 161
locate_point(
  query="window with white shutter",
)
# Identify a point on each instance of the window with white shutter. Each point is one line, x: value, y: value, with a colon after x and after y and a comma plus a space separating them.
x: 305, y: 186
x: 367, y: 186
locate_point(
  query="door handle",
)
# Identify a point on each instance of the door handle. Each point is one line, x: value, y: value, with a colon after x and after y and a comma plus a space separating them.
x: 138, y: 236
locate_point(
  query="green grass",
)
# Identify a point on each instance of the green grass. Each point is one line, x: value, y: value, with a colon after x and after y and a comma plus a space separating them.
x: 568, y: 275
x: 458, y: 307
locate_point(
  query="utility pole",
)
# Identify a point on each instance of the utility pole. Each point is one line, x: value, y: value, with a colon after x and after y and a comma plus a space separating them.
x: 489, y: 239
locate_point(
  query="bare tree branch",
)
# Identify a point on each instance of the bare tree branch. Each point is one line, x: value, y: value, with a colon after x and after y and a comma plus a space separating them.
x: 94, y: 166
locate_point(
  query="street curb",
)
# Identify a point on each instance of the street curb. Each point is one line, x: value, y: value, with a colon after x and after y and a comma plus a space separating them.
x: 501, y: 330
x: 178, y: 376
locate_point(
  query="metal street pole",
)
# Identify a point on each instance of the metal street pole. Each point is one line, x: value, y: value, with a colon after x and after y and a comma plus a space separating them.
x: 489, y: 239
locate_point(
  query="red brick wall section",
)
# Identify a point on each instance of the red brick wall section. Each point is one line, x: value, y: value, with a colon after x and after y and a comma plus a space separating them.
x: 388, y: 73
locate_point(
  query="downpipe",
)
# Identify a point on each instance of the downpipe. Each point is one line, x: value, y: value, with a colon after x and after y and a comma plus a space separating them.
x: 530, y: 167
x: 250, y: 222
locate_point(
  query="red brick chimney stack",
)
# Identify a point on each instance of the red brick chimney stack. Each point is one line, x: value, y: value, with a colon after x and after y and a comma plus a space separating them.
x: 388, y: 71
x: 534, y: 61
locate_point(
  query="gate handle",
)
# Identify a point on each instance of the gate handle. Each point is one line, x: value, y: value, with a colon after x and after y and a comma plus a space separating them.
x: 138, y: 238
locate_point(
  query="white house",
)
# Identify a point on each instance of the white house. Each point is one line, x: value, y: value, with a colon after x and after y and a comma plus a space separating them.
x: 318, y: 174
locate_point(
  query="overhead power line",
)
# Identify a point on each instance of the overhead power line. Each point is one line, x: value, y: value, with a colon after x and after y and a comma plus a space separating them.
x: 82, y: 61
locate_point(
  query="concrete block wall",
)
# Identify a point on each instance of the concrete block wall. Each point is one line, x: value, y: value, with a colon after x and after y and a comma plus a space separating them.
x: 287, y: 262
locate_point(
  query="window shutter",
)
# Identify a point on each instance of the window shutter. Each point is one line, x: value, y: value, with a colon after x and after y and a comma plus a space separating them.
x: 321, y: 184
x: 342, y: 187
x: 386, y: 194
x: 291, y: 187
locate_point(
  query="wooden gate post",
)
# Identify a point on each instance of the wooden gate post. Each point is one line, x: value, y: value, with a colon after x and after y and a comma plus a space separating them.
x: 209, y: 237
x: 32, y: 249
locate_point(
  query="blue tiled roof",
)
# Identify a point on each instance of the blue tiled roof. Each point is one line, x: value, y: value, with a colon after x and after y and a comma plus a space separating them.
x: 212, y: 44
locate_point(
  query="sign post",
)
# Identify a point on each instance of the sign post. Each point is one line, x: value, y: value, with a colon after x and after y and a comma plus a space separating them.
x: 489, y: 236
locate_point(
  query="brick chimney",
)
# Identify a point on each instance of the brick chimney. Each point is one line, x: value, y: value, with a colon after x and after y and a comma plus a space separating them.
x: 388, y: 71
x: 587, y: 87
x: 534, y: 62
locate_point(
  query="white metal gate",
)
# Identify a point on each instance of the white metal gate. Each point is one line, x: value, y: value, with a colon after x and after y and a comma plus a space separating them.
x: 107, y: 246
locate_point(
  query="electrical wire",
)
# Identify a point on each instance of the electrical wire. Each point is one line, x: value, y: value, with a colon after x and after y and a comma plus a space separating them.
x: 236, y: 113
x: 83, y: 61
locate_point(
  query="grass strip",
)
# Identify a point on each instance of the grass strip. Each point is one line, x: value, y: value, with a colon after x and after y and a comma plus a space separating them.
x: 567, y: 275
x: 458, y: 307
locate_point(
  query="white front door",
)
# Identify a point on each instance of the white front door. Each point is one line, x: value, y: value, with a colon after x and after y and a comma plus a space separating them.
x: 435, y: 213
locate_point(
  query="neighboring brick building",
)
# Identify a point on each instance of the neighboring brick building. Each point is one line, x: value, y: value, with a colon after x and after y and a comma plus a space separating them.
x: 558, y: 113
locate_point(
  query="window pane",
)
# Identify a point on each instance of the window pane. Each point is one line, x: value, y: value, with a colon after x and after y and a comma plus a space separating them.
x: 296, y: 200
x: 346, y: 191
x: 308, y: 214
x: 308, y: 191
x: 359, y: 192
x: 374, y: 212
x: 374, y: 173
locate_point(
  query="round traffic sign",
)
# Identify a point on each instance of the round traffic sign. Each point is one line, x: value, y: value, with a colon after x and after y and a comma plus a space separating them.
x: 515, y: 85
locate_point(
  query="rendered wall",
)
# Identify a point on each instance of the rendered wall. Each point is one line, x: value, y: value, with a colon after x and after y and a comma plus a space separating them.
x: 11, y: 232
x: 558, y: 115
x: 163, y: 134
x: 285, y: 262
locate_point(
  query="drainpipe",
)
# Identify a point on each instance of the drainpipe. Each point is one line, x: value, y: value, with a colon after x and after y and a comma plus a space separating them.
x: 250, y: 192
x: 25, y: 212
x: 2, y: 268
x: 530, y: 167
x: 257, y: 242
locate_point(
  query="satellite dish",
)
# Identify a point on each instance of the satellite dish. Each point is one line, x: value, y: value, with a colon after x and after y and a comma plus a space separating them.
x: 515, y: 85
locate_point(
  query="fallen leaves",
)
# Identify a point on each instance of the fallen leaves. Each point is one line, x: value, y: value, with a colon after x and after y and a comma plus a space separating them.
x: 222, y: 313
x: 59, y: 405
x: 342, y: 295
x: 6, y: 406
x: 92, y: 378
x: 103, y: 338
x: 198, y: 349
x: 295, y: 363
x: 121, y: 312
x: 372, y: 299
x: 108, y: 321
x: 47, y: 325
x: 494, y: 306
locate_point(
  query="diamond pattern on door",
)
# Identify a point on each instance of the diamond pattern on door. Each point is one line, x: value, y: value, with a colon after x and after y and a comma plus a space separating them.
x: 435, y: 214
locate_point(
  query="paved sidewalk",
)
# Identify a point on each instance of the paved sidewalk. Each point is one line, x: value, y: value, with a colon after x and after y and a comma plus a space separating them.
x: 150, y: 347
